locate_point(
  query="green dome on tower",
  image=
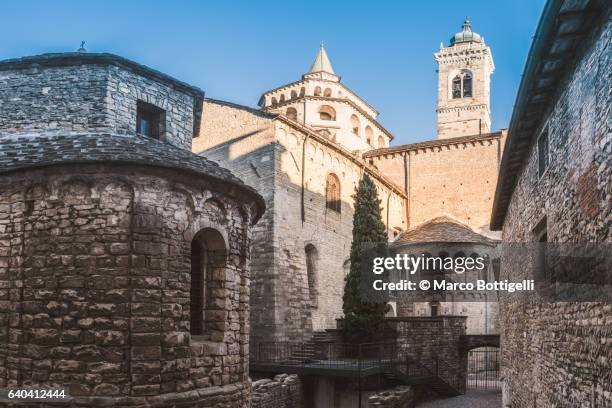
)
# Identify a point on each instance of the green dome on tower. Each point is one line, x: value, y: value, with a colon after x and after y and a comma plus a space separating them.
x: 466, y: 35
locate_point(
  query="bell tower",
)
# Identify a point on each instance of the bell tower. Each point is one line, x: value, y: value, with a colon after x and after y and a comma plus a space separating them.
x: 464, y: 79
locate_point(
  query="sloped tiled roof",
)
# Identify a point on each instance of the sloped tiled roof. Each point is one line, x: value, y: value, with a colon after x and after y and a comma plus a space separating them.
x: 19, y: 152
x: 441, y: 229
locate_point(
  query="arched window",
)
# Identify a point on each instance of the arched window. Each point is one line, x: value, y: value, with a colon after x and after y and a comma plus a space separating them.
x: 381, y: 142
x: 274, y: 101
x: 327, y: 92
x: 293, y: 94
x: 355, y: 124
x: 312, y: 257
x: 467, y: 85
x: 369, y: 134
x: 317, y: 91
x: 291, y: 113
x: 302, y: 91
x: 326, y: 112
x: 332, y: 193
x: 208, y: 256
x: 282, y: 98
x: 457, y: 87
x: 462, y: 85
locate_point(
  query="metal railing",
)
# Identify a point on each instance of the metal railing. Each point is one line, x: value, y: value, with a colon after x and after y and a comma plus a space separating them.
x: 357, y: 360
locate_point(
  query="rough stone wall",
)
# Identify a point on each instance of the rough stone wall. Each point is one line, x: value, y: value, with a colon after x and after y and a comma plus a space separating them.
x: 70, y: 99
x: 125, y: 88
x: 559, y: 354
x: 245, y: 145
x: 456, y: 179
x: 95, y: 272
x: 284, y: 391
x: 268, y: 156
x: 88, y: 98
x: 398, y: 397
x: 428, y: 338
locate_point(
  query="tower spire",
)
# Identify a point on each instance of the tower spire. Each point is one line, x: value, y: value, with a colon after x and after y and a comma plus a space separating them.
x: 321, y: 62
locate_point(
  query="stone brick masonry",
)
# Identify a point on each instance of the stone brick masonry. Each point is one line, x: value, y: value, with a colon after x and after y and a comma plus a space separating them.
x: 101, y: 232
x: 560, y: 354
x: 284, y: 391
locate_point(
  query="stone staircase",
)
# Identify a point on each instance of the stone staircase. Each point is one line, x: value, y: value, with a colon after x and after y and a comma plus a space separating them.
x: 306, y: 353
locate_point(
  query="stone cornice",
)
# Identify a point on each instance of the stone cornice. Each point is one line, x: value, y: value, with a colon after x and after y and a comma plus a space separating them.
x: 354, y: 158
x: 432, y: 144
x: 341, y: 100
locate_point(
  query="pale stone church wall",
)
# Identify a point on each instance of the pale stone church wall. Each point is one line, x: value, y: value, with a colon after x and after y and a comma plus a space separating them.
x: 455, y: 179
x: 328, y: 231
x: 267, y: 154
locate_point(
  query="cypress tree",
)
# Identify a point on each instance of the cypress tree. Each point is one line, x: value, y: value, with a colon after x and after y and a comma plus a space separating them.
x: 364, y: 310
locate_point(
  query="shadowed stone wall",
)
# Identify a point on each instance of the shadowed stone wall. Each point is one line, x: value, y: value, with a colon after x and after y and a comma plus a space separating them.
x: 283, y: 391
x: 553, y: 353
x: 429, y: 338
x: 95, y: 274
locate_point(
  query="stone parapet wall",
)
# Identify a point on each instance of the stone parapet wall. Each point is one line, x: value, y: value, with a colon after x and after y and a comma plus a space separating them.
x: 398, y: 397
x: 427, y: 339
x: 283, y: 391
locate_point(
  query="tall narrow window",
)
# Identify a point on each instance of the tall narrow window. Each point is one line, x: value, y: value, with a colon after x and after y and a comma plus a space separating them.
x: 457, y: 87
x: 332, y: 193
x: 355, y: 124
x: 369, y: 134
x: 293, y: 94
x: 381, y: 142
x: 540, y: 235
x: 150, y: 120
x: 327, y: 92
x: 311, y: 272
x: 542, y: 152
x: 208, y: 256
x: 467, y: 85
x: 317, y: 91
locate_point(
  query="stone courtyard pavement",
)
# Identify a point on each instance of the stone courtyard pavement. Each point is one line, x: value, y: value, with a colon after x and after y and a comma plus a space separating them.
x: 472, y: 399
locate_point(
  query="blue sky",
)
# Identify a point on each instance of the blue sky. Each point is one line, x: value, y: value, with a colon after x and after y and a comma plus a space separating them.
x: 236, y: 50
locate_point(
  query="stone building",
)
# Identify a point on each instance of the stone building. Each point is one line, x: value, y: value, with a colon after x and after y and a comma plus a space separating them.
x: 124, y: 257
x: 555, y: 186
x: 305, y: 150
x: 453, y: 176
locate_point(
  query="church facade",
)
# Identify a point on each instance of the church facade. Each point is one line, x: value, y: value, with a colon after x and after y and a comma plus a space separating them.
x: 305, y: 150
